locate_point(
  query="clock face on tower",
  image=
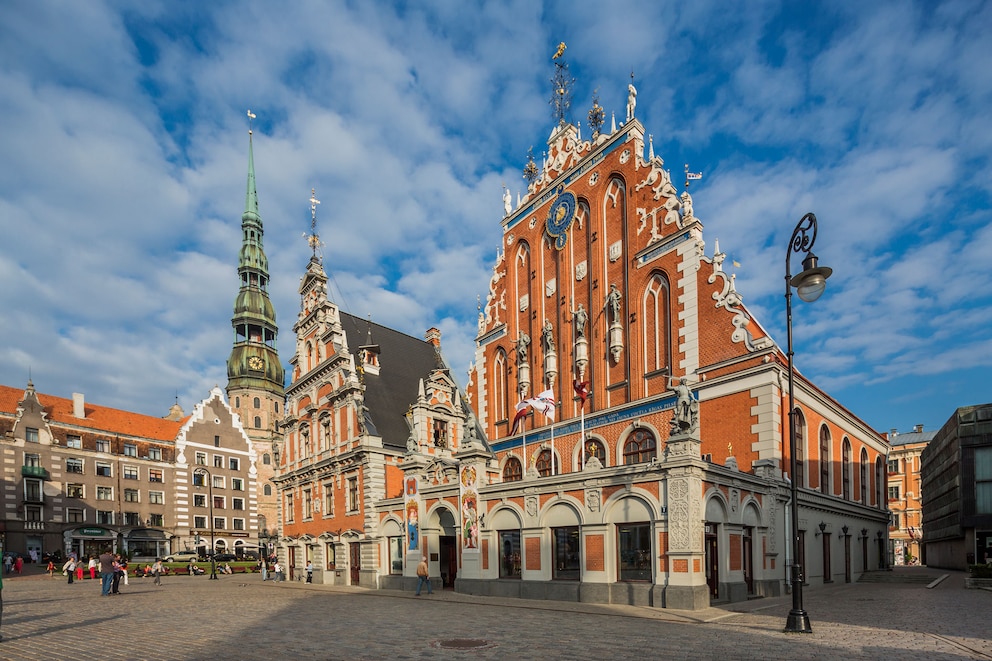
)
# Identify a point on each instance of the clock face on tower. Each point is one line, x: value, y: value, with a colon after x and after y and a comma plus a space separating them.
x: 255, y: 363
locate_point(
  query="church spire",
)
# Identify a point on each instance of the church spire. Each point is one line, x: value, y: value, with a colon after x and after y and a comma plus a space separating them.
x: 251, y: 195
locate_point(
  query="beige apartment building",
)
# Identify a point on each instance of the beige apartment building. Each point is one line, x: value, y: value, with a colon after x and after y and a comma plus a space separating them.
x: 903, y: 490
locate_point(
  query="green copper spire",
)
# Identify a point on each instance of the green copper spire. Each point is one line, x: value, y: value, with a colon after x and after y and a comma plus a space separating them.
x: 254, y: 362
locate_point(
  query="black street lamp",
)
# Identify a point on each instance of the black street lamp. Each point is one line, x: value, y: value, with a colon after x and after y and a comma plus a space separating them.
x: 210, y: 491
x: 809, y: 285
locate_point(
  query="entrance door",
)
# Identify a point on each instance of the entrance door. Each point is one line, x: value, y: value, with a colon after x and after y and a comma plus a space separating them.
x: 827, y: 572
x: 749, y: 559
x: 355, y: 551
x: 34, y: 544
x: 292, y: 562
x: 448, y: 561
x: 847, y: 558
x: 712, y: 562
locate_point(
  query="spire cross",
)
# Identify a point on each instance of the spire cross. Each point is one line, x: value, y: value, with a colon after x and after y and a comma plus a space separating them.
x: 251, y: 116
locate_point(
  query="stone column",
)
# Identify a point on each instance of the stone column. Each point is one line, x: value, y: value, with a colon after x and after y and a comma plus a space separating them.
x: 686, y: 587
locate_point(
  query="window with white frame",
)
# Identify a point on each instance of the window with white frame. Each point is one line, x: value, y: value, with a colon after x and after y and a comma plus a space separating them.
x: 156, y: 497
x: 155, y: 454
x: 32, y: 490
x: 73, y: 465
x: 238, y: 524
x: 234, y: 463
x: 74, y: 515
x: 199, y: 500
x: 218, y: 461
x: 31, y: 435
x: 218, y: 481
x: 156, y: 520
x: 104, y: 470
x: 103, y: 446
x: 74, y: 442
x: 104, y: 493
x: 154, y: 474
x: 131, y: 495
x: 104, y: 516
x: 329, y: 499
x: 130, y: 450
x: 238, y: 503
x: 130, y: 472
x: 199, y: 522
x: 237, y: 484
x: 73, y: 490
x: 201, y: 458
x: 220, y: 523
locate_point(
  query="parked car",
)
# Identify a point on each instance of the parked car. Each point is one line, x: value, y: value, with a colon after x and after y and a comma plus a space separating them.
x: 183, y: 556
x: 225, y: 557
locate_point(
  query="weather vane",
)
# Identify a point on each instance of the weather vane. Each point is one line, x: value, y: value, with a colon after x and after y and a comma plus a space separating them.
x: 597, y: 116
x: 251, y: 116
x: 691, y: 176
x: 313, y: 239
x: 530, y: 170
x: 562, y: 82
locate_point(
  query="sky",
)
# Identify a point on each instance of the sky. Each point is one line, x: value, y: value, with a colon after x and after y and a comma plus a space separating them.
x: 125, y: 138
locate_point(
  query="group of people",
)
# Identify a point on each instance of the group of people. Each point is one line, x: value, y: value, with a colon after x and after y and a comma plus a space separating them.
x: 12, y: 564
x: 112, y: 568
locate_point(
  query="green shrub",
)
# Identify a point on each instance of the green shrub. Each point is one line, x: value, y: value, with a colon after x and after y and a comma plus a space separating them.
x: 980, y: 571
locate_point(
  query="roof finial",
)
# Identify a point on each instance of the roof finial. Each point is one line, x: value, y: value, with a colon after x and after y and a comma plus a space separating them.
x: 251, y: 116
x: 562, y: 82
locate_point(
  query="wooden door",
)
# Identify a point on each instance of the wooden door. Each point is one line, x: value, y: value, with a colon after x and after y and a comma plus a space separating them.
x: 355, y: 553
x: 749, y: 559
x: 712, y: 563
x: 292, y: 562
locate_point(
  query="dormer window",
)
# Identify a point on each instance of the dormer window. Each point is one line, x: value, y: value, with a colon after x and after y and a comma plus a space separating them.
x: 440, y: 434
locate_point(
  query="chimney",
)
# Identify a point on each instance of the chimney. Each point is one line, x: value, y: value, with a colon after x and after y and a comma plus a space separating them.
x: 918, y: 429
x: 433, y: 336
x: 78, y: 408
x: 893, y: 433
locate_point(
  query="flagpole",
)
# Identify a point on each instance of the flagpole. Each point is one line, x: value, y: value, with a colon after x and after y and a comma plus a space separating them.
x: 553, y: 448
x: 582, y: 438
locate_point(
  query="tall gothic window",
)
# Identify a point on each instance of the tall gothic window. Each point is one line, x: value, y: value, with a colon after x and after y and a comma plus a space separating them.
x: 863, y: 476
x: 800, y: 423
x: 656, y: 325
x: 846, y: 468
x: 500, y: 388
x: 880, y: 500
x: 824, y: 460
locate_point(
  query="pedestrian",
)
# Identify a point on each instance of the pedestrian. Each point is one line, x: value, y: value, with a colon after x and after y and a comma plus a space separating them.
x: 309, y: 571
x: 79, y: 570
x: 8, y: 563
x: 69, y: 569
x: 51, y: 569
x: 424, y: 576
x: 115, y: 584
x: 263, y: 567
x: 124, y: 570
x: 277, y: 568
x: 157, y: 571
x: 92, y: 567
x: 18, y: 564
x: 106, y: 571
x: 192, y: 568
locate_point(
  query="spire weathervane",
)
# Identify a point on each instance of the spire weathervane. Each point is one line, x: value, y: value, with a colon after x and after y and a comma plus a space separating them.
x: 251, y: 116
x: 313, y: 239
x: 690, y: 176
x: 562, y: 82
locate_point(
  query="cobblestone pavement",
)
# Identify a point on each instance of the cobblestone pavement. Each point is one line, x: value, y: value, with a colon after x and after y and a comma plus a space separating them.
x: 240, y: 617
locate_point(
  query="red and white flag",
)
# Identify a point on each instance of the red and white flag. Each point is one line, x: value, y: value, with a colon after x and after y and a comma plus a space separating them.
x: 545, y: 403
x: 581, y: 389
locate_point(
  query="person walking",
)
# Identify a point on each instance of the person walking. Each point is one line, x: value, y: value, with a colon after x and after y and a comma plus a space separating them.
x: 115, y: 584
x: 8, y: 563
x: 18, y: 564
x: 157, y: 571
x: 92, y: 567
x: 263, y: 565
x: 69, y: 569
x: 277, y: 569
x: 51, y: 569
x: 106, y: 571
x: 424, y: 576
x: 124, y: 570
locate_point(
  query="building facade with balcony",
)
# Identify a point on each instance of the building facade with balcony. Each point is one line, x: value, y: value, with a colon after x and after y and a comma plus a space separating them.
x: 82, y: 477
x: 903, y: 492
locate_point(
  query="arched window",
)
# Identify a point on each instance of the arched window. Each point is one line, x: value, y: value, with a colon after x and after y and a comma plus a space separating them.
x: 825, y: 460
x: 639, y: 448
x: 310, y: 363
x: 546, y: 463
x: 880, y: 483
x: 863, y: 470
x: 800, y: 423
x: 257, y: 403
x: 267, y: 489
x: 258, y: 422
x: 512, y: 471
x: 266, y: 459
x: 656, y: 326
x: 500, y: 390
x: 277, y: 406
x: 846, y: 469
x: 596, y: 449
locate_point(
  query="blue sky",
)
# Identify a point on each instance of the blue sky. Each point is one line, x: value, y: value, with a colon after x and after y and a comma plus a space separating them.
x: 124, y: 137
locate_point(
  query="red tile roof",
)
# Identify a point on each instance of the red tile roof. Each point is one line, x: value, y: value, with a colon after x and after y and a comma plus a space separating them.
x: 98, y: 418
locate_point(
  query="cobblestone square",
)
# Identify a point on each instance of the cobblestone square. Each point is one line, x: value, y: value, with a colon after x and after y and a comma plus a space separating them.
x: 240, y: 617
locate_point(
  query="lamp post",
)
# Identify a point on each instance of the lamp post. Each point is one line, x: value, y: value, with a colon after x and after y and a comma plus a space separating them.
x: 210, y: 494
x: 809, y: 285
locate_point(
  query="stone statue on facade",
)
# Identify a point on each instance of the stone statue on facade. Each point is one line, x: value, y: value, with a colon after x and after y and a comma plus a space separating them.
x: 579, y: 318
x: 686, y: 416
x: 631, y: 101
x: 523, y: 341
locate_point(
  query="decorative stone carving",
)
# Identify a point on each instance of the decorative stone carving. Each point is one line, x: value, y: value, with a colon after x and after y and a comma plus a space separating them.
x: 616, y: 251
x: 530, y: 505
x: 593, y: 499
x: 581, y: 270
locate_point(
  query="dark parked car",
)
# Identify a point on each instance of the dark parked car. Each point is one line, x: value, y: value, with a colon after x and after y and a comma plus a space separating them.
x: 225, y: 557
